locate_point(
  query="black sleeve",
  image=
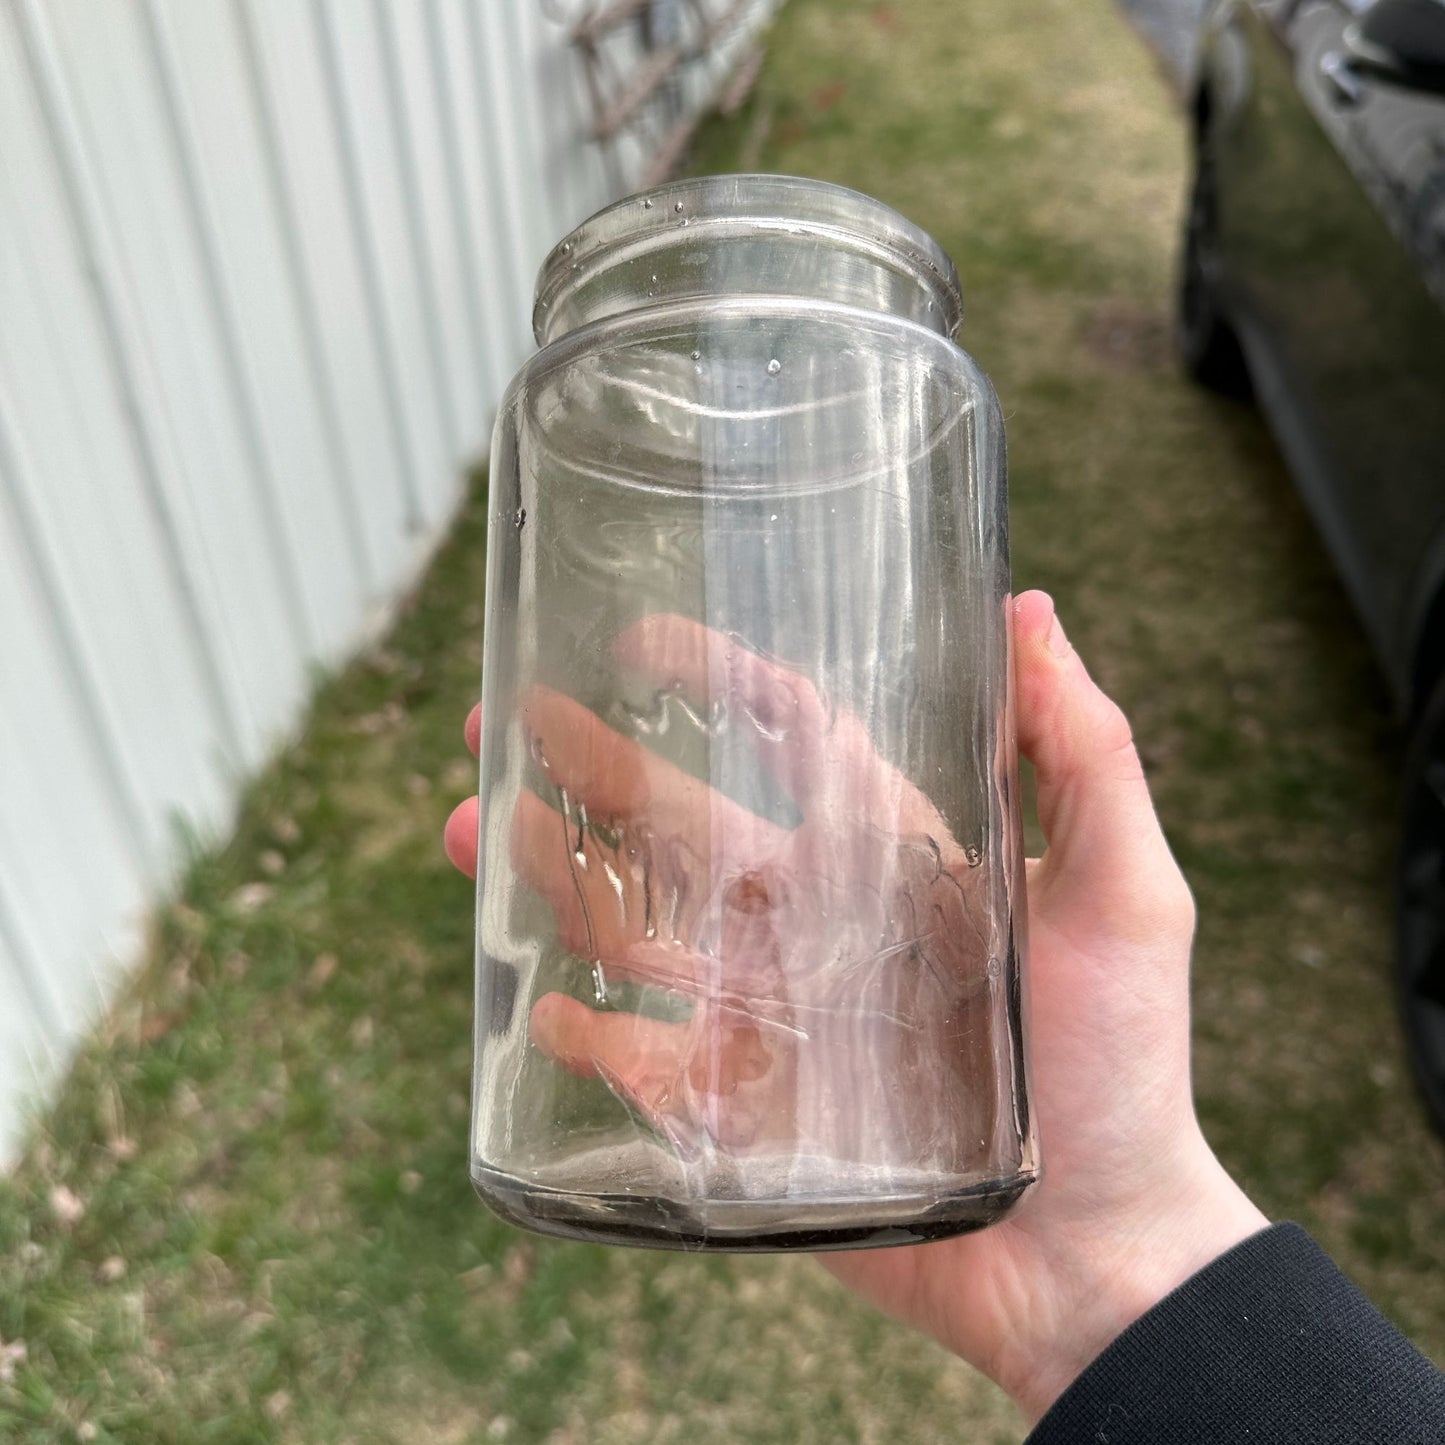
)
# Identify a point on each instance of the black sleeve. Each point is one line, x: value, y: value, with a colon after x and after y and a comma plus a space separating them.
x: 1269, y: 1343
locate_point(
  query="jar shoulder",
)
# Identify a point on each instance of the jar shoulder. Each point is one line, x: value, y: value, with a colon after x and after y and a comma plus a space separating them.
x: 739, y: 326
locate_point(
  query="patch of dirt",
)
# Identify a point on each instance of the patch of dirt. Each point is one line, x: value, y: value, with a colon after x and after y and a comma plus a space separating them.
x: 1127, y: 337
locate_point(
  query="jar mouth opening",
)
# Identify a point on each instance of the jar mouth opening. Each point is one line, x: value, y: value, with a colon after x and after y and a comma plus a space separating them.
x: 739, y: 207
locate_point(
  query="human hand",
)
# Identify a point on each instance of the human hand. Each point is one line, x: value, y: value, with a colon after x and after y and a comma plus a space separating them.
x: 1132, y: 1201
x: 836, y: 973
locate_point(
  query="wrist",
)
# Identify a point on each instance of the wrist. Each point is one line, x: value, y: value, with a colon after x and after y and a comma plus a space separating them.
x: 1181, y: 1225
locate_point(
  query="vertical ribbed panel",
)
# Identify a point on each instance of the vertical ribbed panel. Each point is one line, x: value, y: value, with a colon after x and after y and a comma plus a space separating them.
x: 265, y: 268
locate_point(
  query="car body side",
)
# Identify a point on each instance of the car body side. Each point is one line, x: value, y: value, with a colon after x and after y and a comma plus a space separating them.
x: 1331, y: 242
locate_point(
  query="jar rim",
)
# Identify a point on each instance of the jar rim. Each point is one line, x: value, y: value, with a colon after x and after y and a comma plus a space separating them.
x: 795, y: 205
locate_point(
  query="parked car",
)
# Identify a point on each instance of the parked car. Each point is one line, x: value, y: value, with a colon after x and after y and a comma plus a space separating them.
x: 1313, y: 274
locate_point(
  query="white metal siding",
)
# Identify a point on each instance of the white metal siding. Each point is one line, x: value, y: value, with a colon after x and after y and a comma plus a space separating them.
x: 265, y: 267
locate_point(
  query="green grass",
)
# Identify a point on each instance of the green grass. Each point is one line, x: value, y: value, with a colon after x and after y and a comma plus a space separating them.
x: 278, y: 1239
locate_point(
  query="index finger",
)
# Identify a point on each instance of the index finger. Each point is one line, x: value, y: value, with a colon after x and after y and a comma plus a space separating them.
x: 615, y: 778
x: 823, y: 757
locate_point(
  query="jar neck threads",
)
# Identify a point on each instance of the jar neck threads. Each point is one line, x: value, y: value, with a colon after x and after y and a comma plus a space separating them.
x: 745, y: 235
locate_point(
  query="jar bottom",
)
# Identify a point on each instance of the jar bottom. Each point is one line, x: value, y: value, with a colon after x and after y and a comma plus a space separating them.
x: 749, y: 1226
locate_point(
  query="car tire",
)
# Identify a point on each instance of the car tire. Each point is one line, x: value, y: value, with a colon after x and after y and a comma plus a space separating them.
x: 1208, y: 346
x: 1420, y: 950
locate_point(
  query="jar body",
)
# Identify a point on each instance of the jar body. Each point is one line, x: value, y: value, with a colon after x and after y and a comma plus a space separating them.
x: 750, y: 891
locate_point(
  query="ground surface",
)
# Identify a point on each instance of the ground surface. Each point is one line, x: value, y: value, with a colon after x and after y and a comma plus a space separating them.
x: 247, y: 1218
x: 1172, y: 28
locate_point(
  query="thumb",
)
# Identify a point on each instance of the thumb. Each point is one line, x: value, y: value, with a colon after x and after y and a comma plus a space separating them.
x: 1106, y: 851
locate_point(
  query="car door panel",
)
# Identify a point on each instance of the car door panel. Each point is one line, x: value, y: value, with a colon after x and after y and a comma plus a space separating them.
x: 1333, y: 226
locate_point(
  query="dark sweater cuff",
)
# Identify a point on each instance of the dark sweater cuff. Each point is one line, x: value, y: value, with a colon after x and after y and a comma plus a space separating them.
x: 1270, y: 1342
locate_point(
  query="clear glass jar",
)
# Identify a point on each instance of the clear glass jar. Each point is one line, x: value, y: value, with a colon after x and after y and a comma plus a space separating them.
x: 750, y: 900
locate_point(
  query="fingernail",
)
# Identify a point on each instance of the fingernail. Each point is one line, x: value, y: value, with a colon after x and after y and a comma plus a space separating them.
x: 1058, y: 642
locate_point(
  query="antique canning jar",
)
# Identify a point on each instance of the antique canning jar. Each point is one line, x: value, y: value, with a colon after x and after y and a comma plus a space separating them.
x: 750, y: 904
